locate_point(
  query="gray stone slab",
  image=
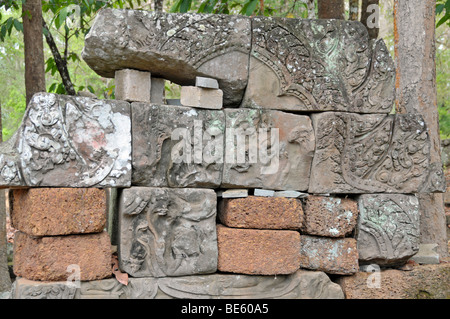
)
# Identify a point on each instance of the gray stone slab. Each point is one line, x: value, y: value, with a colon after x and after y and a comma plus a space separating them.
x: 177, y: 146
x: 388, y: 231
x: 167, y: 231
x: 208, y: 83
x: 177, y: 47
x: 369, y: 153
x: 201, y: 98
x: 30, y: 289
x: 158, y: 91
x: 290, y: 194
x: 234, y: 193
x: 300, y: 285
x: 69, y: 141
x: 267, y: 149
x: 318, y: 65
x: 264, y: 192
x: 132, y: 85
x: 427, y: 254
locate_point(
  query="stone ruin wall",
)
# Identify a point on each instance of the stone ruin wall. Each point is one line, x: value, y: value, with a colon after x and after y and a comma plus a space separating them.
x: 329, y: 189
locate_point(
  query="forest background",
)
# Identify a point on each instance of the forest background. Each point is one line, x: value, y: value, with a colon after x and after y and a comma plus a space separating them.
x: 68, y: 21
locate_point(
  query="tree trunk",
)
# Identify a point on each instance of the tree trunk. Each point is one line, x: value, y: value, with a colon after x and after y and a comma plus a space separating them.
x: 34, y: 48
x: 5, y: 280
x: 311, y: 9
x: 158, y: 5
x: 331, y: 9
x: 354, y: 10
x: 370, y: 17
x: 61, y: 63
x: 414, y: 36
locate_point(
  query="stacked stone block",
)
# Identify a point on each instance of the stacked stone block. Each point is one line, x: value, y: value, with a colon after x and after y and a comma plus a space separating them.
x: 279, y: 165
x: 61, y: 234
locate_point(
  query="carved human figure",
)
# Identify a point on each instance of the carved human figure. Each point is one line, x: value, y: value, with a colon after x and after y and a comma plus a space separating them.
x: 171, y: 234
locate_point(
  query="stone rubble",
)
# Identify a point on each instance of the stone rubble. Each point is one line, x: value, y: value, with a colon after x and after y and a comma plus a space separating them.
x: 278, y: 167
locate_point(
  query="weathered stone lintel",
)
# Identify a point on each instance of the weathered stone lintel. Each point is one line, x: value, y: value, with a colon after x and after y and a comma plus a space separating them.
x: 300, y: 285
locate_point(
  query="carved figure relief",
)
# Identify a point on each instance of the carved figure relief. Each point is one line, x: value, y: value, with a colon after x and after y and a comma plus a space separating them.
x: 70, y: 142
x: 177, y: 146
x: 389, y: 228
x: 167, y: 232
x: 369, y: 153
x: 324, y: 65
x: 267, y: 148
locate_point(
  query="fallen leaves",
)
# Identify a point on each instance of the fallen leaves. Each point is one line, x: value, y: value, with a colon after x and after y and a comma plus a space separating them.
x: 121, y: 277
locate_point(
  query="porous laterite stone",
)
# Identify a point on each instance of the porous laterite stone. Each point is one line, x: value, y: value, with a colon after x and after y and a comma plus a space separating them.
x: 49, y: 258
x: 258, y: 252
x: 262, y: 212
x: 59, y: 211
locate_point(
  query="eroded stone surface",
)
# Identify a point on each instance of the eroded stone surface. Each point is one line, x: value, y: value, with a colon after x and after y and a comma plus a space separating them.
x: 31, y: 289
x: 261, y: 212
x: 167, y: 231
x: 300, y: 285
x: 58, y: 211
x: 331, y: 255
x: 329, y: 216
x: 422, y: 282
x: 388, y: 228
x: 177, y: 47
x: 177, y: 146
x: 50, y: 258
x: 267, y: 149
x: 369, y: 153
x: 258, y: 252
x: 318, y: 65
x: 70, y: 141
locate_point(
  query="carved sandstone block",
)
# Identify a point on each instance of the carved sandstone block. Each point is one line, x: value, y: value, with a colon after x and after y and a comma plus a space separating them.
x: 30, y: 289
x: 267, y: 149
x: 318, y: 65
x: 258, y: 252
x: 201, y: 97
x: 329, y: 216
x: 132, y: 85
x: 302, y: 284
x: 369, y: 153
x: 261, y: 212
x: 58, y: 211
x: 167, y: 231
x: 54, y: 258
x: 177, y: 146
x: 331, y: 255
x: 177, y: 47
x: 299, y: 285
x: 69, y: 141
x: 388, y: 228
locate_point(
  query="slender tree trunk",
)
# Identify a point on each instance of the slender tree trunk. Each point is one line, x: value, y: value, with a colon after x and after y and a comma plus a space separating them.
x: 311, y: 9
x: 331, y: 9
x: 158, y: 5
x: 261, y: 7
x: 61, y: 63
x: 34, y: 48
x: 354, y: 10
x: 414, y: 36
x: 370, y: 17
x: 5, y: 280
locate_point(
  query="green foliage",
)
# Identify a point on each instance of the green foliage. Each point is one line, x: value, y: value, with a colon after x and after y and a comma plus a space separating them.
x: 441, y: 6
x: 443, y: 65
x: 288, y: 9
